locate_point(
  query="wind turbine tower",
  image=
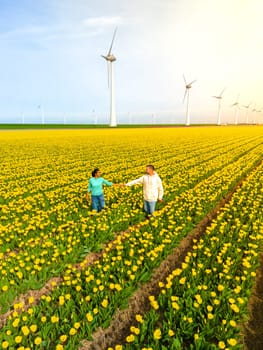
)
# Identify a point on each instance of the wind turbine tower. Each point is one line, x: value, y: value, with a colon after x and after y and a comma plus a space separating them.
x: 247, y: 108
x: 236, y: 104
x: 186, y: 95
x: 42, y: 114
x: 258, y: 119
x: 23, y: 118
x: 110, y: 58
x: 219, y: 98
x: 254, y: 110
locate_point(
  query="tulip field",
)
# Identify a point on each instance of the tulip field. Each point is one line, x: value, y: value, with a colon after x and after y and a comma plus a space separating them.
x: 71, y: 278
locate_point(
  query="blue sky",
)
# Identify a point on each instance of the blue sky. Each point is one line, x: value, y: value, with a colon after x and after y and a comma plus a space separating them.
x: 50, y: 59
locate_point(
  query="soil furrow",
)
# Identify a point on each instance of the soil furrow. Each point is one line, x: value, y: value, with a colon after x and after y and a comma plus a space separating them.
x: 253, y: 329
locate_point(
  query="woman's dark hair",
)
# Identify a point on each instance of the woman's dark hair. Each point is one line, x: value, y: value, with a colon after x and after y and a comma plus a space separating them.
x: 150, y: 166
x: 94, y: 172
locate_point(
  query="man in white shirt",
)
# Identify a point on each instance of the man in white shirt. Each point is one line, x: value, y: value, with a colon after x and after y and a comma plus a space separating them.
x: 152, y: 189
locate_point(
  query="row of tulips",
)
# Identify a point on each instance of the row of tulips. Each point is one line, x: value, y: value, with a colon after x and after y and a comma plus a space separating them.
x: 45, y: 199
x: 88, y: 298
x: 37, y: 196
x: 57, y: 159
x: 203, y: 304
x: 55, y: 207
x: 47, y: 255
x: 45, y: 211
x: 52, y: 201
x: 59, y: 172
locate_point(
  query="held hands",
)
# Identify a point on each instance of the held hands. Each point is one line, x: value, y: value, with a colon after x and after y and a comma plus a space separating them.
x: 119, y: 185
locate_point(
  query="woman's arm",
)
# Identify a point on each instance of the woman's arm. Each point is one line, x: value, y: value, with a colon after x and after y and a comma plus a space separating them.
x: 107, y: 183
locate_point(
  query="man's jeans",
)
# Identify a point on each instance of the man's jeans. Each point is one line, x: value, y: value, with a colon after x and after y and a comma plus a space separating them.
x: 149, y: 207
x: 98, y: 202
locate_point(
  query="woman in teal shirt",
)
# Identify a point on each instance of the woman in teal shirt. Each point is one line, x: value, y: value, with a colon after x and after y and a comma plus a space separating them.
x: 96, y: 189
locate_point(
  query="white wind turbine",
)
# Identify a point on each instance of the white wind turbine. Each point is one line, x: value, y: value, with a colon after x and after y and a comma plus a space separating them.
x: 259, y: 111
x: 219, y: 98
x: 110, y: 58
x: 236, y: 104
x: 42, y: 114
x: 23, y: 117
x: 247, y: 108
x: 186, y: 94
x: 254, y: 110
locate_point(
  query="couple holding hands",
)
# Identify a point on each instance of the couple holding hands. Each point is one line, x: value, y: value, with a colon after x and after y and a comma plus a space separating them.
x: 152, y: 189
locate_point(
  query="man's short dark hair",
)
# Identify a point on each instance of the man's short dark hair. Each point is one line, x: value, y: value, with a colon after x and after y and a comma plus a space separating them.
x: 150, y: 166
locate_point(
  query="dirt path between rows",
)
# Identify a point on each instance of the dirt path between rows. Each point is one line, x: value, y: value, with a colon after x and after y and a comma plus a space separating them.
x: 253, y: 329
x: 50, y: 285
x: 55, y: 281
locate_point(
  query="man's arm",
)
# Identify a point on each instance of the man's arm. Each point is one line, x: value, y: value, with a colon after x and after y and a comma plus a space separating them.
x: 135, y: 182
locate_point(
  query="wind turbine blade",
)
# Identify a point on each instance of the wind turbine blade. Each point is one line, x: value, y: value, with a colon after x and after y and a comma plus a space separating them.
x: 215, y: 96
x: 184, y: 95
x: 192, y: 82
x: 184, y: 80
x: 104, y: 56
x: 222, y: 92
x: 112, y: 40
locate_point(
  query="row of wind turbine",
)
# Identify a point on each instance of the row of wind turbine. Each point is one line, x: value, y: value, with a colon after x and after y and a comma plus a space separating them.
x: 110, y: 58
